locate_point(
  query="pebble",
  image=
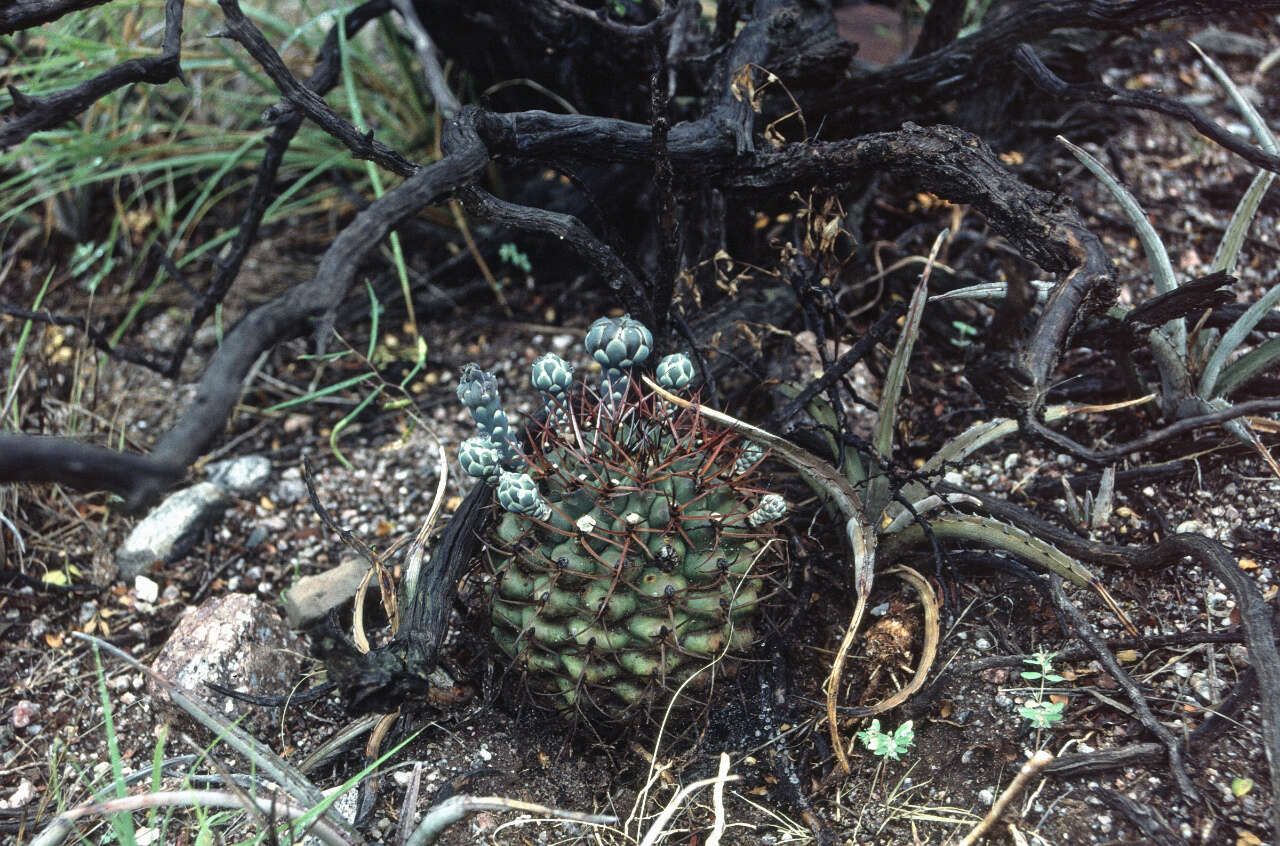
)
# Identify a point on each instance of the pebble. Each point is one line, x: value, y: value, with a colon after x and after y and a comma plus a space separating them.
x: 145, y: 589
x: 986, y: 796
x: 1207, y: 690
x: 25, y: 713
x: 234, y: 640
x: 243, y: 477
x: 171, y: 529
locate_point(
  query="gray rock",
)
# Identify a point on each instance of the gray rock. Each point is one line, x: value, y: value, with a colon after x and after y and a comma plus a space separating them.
x: 236, y: 641
x: 290, y: 488
x: 242, y: 477
x: 171, y: 529
x: 310, y: 599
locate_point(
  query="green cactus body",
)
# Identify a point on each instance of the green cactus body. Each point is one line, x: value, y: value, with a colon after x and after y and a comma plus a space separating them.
x: 636, y: 550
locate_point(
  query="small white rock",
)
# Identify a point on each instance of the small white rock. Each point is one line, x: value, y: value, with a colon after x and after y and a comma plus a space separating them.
x: 145, y: 589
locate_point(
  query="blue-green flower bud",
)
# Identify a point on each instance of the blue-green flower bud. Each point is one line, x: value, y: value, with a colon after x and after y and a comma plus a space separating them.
x: 552, y: 374
x: 478, y: 391
x: 518, y: 493
x: 751, y: 453
x: 480, y: 458
x: 772, y: 507
x: 619, y: 344
x: 477, y: 387
x: 674, y: 372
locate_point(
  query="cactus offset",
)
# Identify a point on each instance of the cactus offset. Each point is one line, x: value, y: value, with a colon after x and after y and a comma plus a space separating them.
x: 632, y: 547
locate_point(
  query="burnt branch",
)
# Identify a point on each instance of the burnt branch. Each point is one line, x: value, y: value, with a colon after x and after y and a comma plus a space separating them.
x: 1256, y: 620
x: 957, y: 66
x: 1032, y: 425
x: 227, y: 266
x: 36, y: 458
x: 1096, y: 92
x: 362, y: 145
x: 288, y: 314
x: 941, y: 26
x: 33, y: 114
x: 23, y: 14
x: 573, y: 232
x: 1085, y: 632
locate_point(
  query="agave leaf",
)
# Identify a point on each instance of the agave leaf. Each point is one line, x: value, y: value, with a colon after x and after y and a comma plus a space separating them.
x: 1233, y: 338
x: 1247, y: 366
x: 822, y: 412
x: 1241, y: 220
x: 1000, y: 535
x: 1229, y: 249
x: 964, y: 444
x: 878, y: 487
x: 1157, y: 255
x: 992, y: 291
x: 1171, y: 362
x: 1259, y: 126
x: 922, y: 507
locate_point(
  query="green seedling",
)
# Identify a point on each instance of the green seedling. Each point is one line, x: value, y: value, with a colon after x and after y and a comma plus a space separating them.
x: 1038, y: 711
x: 888, y: 745
x: 511, y: 254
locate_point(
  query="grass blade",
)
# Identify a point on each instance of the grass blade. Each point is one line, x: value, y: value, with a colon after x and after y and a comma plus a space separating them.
x: 121, y: 823
x: 1233, y: 338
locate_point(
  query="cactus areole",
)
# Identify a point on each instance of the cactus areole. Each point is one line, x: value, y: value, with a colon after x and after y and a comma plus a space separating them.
x: 632, y: 550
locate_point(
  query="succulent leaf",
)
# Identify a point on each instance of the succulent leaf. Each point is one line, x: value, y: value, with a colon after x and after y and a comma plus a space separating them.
x: 519, y: 494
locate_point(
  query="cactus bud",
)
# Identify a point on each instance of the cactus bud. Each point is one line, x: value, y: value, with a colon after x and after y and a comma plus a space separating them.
x: 478, y: 391
x: 751, y: 454
x: 674, y: 372
x: 772, y: 507
x: 552, y: 374
x: 518, y: 493
x: 619, y: 344
x: 480, y: 458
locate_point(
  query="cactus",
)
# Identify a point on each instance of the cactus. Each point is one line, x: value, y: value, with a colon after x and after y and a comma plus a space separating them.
x: 630, y: 550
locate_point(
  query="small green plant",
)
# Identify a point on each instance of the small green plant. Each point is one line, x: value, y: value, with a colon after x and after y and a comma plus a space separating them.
x: 1041, y: 713
x: 887, y: 744
x: 511, y: 254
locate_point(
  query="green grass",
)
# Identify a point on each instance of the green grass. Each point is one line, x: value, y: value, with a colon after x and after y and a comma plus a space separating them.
x: 168, y: 167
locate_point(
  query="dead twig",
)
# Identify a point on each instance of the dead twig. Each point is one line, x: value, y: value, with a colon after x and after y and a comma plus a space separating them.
x: 1029, y: 770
